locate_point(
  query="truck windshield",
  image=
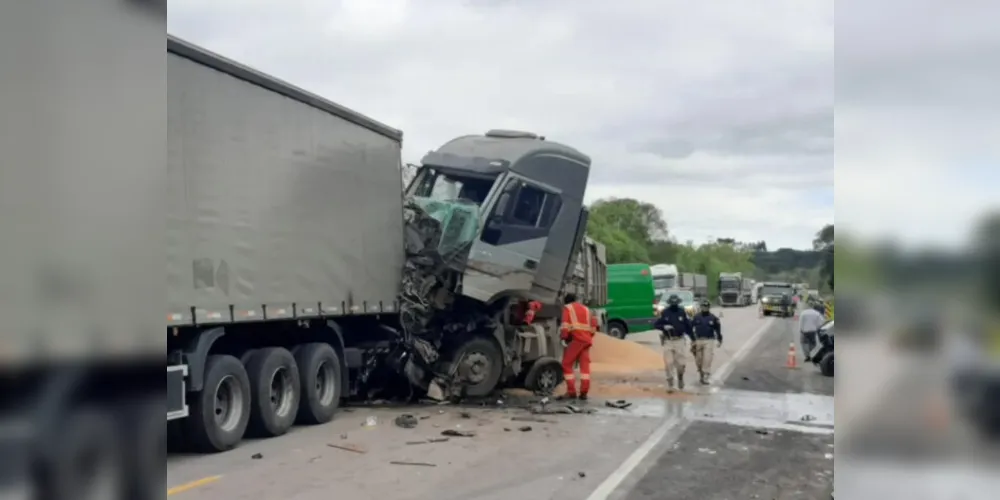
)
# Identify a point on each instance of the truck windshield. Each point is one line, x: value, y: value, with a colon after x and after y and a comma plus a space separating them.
x: 664, y: 282
x: 449, y: 187
x: 775, y: 290
x: 729, y: 284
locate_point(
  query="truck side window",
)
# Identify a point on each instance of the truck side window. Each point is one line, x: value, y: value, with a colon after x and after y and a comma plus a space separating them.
x: 528, y: 207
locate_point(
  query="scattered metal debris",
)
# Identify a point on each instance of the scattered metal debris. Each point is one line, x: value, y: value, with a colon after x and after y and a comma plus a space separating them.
x: 370, y: 422
x: 807, y: 418
x: 457, y: 433
x: 581, y: 474
x: 437, y: 440
x: 406, y: 421
x: 418, y: 464
x: 526, y: 428
x: 621, y: 404
x: 348, y: 447
x: 256, y: 456
x: 762, y: 432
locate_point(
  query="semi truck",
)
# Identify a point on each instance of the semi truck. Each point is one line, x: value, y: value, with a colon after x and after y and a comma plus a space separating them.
x: 301, y: 272
x: 665, y: 277
x: 735, y: 290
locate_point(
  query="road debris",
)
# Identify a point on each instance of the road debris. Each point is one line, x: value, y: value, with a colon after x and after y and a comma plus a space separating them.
x: 256, y: 456
x: 621, y: 404
x: 418, y: 464
x: 581, y: 474
x: 348, y: 447
x: 370, y: 422
x: 807, y: 418
x: 526, y: 428
x: 532, y: 419
x: 406, y: 421
x: 506, y: 429
x: 457, y: 433
x: 465, y: 414
x: 426, y: 441
x: 762, y: 432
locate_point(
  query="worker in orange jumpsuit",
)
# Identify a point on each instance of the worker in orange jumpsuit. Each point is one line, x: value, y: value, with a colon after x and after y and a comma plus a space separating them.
x: 577, y: 332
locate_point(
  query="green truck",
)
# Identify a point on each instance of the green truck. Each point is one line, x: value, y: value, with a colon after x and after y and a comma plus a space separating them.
x: 631, y: 299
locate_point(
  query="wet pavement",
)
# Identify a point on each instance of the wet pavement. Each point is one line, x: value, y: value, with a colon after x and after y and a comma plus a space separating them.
x: 766, y: 433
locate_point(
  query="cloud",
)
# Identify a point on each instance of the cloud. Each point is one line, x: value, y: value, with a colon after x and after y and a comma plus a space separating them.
x: 721, y: 112
x: 916, y: 128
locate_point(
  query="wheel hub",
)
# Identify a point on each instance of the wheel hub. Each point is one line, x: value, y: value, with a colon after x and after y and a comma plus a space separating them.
x: 281, y: 392
x: 228, y: 403
x: 476, y: 366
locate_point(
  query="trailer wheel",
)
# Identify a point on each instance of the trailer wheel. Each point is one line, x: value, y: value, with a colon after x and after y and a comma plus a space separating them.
x: 220, y: 412
x: 480, y: 366
x: 275, y: 390
x: 617, y: 329
x: 88, y: 464
x: 544, y: 376
x: 319, y: 369
x: 826, y: 365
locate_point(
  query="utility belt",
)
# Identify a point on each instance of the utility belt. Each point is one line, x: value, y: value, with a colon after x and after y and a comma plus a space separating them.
x: 665, y: 337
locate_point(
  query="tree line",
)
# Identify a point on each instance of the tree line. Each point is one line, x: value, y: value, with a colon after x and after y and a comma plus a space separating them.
x: 635, y: 231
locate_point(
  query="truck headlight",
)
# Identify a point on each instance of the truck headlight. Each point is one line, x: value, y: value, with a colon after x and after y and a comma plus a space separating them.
x: 764, y: 300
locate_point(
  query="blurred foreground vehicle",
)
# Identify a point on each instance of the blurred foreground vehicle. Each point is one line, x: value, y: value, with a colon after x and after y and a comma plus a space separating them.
x: 299, y: 274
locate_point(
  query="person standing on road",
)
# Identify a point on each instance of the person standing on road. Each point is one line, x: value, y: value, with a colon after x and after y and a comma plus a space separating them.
x: 809, y: 322
x: 577, y: 332
x: 674, y: 325
x: 707, y: 334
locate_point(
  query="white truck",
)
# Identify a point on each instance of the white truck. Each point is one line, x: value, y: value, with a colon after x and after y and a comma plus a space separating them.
x: 734, y: 290
x: 665, y: 277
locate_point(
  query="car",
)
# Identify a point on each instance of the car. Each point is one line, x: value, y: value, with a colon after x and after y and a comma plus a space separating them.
x: 688, y: 302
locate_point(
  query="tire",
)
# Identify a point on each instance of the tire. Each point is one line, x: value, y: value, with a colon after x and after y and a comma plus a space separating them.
x: 89, y: 464
x: 482, y: 366
x: 544, y: 376
x: 211, y: 427
x: 617, y: 329
x: 826, y: 365
x: 320, y: 393
x: 275, y: 390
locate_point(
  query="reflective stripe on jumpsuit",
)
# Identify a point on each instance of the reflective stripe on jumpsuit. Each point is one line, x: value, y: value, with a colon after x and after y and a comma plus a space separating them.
x: 580, y: 335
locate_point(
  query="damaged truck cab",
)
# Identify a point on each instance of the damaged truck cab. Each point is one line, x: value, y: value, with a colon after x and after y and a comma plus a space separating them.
x: 509, y: 207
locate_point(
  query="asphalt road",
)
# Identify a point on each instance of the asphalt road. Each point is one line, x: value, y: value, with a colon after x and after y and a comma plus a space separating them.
x: 766, y: 433
x: 563, y: 457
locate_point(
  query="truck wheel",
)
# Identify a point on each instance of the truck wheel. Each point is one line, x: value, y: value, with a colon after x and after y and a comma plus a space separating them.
x: 481, y: 365
x: 544, y: 376
x: 89, y: 464
x: 274, y: 390
x: 319, y: 369
x: 826, y: 365
x: 220, y: 412
x: 617, y: 329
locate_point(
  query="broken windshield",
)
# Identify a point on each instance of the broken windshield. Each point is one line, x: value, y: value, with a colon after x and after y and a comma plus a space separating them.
x: 446, y: 186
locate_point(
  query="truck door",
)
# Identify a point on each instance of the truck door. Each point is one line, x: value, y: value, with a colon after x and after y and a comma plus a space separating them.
x: 515, y: 231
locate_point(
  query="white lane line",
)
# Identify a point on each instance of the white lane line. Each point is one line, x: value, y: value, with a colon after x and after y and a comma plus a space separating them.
x: 618, y: 476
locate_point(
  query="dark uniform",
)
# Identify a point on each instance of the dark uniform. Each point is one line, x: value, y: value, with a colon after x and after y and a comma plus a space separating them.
x: 674, y: 325
x: 707, y: 334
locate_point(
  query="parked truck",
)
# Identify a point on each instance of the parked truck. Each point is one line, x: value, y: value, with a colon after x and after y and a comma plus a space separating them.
x: 730, y: 289
x: 300, y: 272
x: 665, y: 277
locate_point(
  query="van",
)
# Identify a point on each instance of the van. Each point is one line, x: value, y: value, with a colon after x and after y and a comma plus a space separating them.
x: 631, y: 305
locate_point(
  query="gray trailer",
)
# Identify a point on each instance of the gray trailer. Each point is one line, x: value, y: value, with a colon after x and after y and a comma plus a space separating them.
x: 589, y: 280
x: 700, y: 286
x: 300, y: 274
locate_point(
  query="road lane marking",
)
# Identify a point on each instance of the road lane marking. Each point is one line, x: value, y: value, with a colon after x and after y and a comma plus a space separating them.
x: 618, y: 476
x: 192, y: 485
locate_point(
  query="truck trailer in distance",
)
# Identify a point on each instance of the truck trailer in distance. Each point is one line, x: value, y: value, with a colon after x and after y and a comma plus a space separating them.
x: 300, y: 272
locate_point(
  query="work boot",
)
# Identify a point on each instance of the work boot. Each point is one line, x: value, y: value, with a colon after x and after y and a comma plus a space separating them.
x: 670, y: 386
x: 566, y: 397
x: 583, y: 397
x: 680, y: 381
x: 703, y: 379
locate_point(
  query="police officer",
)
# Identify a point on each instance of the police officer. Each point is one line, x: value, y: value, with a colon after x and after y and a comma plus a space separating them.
x: 674, y: 325
x: 786, y: 304
x: 707, y: 334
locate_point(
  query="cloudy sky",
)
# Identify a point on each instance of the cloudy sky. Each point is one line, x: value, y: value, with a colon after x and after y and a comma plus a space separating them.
x: 720, y: 112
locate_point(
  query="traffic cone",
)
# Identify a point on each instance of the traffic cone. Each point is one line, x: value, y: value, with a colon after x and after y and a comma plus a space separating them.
x: 792, y: 362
